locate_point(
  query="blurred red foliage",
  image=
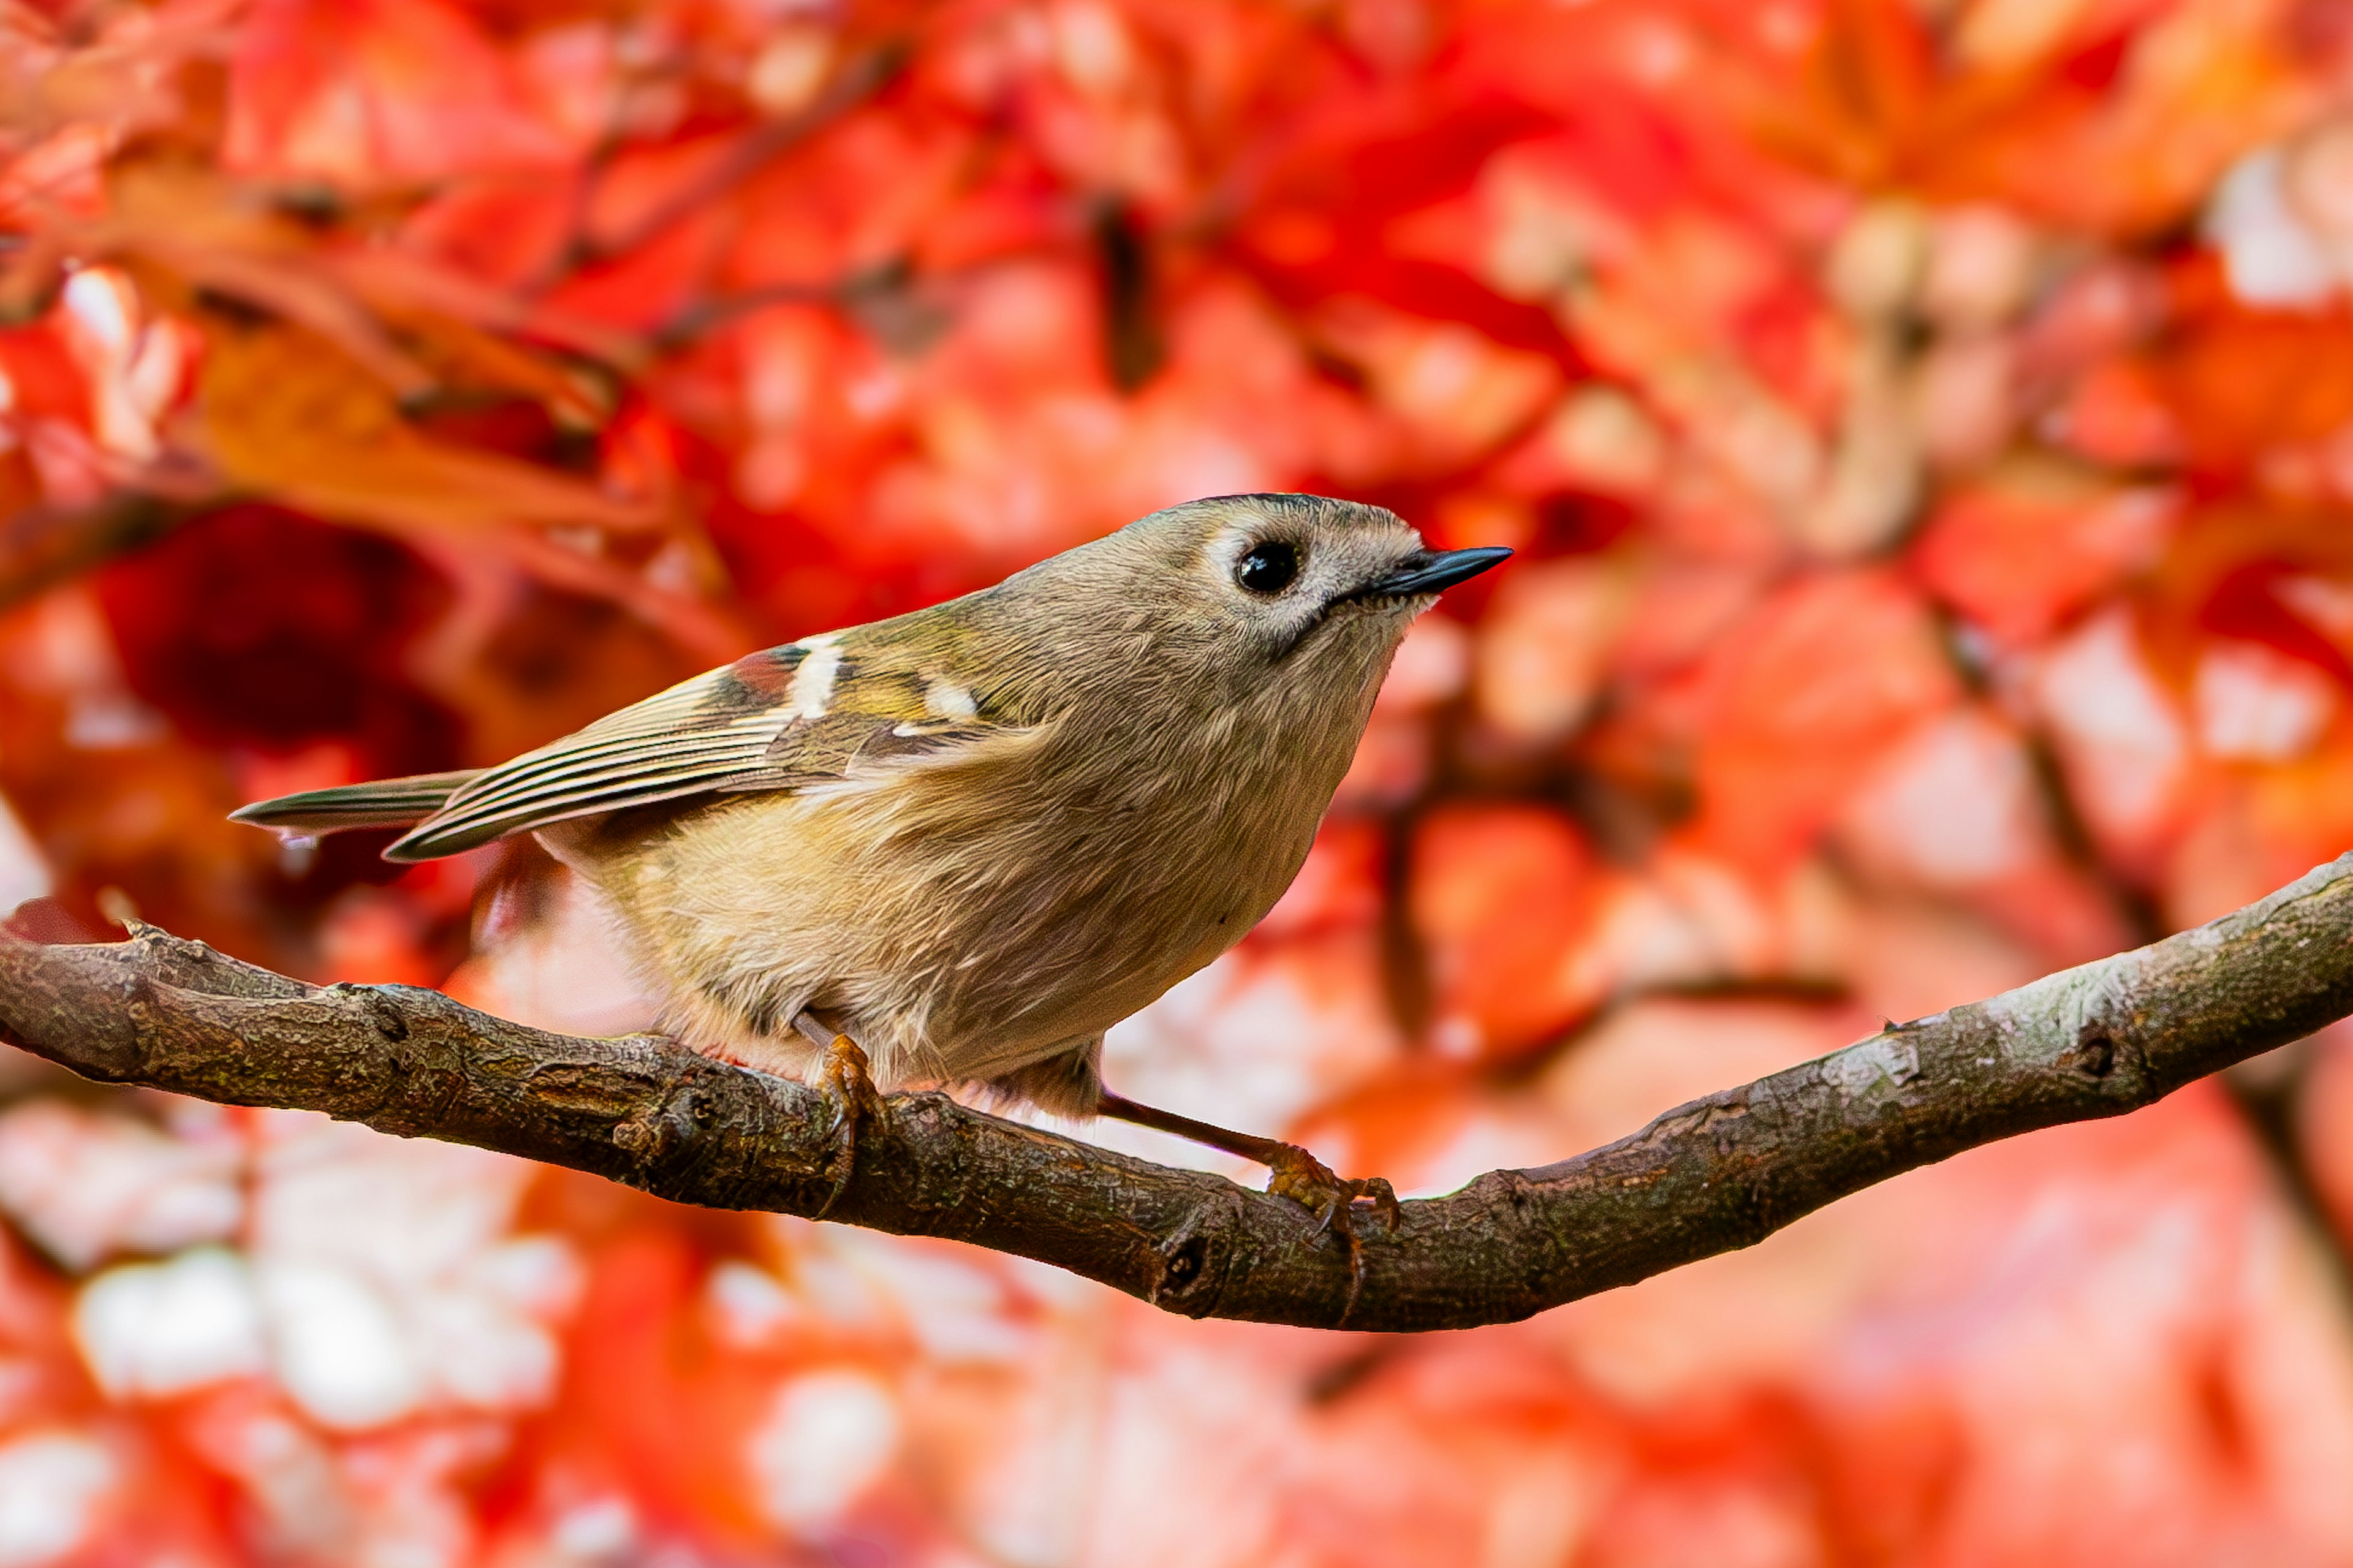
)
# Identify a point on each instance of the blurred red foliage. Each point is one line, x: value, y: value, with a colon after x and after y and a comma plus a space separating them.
x: 1927, y: 432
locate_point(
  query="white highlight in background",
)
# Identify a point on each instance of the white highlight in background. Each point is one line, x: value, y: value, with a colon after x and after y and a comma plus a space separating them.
x: 828, y: 1437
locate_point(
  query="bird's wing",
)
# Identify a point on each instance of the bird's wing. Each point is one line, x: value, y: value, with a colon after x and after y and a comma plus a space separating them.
x: 785, y: 718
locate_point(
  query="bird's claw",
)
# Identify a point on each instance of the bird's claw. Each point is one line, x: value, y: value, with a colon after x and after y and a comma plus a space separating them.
x: 1308, y: 1182
x: 848, y: 1081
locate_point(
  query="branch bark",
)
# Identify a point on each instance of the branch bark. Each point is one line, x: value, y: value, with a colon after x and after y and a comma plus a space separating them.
x: 1720, y: 1173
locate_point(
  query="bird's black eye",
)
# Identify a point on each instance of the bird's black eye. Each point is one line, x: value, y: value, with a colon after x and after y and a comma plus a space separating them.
x: 1268, y: 568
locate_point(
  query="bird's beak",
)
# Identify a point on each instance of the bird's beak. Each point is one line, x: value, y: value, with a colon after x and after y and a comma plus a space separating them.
x: 1432, y: 571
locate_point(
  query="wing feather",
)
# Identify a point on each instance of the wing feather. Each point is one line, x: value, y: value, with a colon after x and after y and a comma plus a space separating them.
x: 379, y: 802
x: 745, y: 727
x: 708, y: 733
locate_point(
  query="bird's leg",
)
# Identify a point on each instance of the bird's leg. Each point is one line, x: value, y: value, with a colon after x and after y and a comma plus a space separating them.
x: 1294, y: 1173
x: 848, y: 1081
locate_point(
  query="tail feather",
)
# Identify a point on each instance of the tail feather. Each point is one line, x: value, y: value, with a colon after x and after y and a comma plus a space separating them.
x: 380, y: 802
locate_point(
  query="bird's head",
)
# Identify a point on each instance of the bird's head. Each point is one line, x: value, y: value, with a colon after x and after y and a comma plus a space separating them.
x: 1267, y: 616
x: 1256, y: 580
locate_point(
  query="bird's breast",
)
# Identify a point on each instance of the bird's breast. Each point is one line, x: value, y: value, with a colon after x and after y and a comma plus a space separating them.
x: 971, y: 918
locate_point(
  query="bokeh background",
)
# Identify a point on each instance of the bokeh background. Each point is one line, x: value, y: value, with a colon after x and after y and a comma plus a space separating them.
x: 1928, y: 429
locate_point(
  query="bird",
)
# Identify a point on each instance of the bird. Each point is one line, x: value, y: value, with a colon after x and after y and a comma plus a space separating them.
x: 955, y: 846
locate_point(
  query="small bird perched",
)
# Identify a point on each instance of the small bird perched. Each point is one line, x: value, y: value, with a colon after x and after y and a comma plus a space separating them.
x: 958, y: 845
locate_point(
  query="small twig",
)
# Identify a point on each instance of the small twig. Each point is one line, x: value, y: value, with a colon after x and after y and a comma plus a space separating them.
x: 42, y: 546
x: 1720, y: 1173
x: 859, y: 78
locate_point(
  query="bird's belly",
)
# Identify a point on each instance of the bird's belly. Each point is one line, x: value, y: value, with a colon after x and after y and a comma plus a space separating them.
x: 952, y: 947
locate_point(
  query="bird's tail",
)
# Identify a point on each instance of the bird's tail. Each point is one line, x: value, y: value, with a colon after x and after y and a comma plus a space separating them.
x: 380, y: 802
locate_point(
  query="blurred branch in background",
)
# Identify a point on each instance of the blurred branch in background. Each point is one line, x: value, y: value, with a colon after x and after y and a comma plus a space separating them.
x: 1721, y: 1172
x: 42, y: 546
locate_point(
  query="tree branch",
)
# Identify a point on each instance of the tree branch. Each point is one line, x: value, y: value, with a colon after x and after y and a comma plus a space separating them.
x: 1720, y: 1173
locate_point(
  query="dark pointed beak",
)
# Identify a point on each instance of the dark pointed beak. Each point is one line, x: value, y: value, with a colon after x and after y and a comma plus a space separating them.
x: 1434, y: 570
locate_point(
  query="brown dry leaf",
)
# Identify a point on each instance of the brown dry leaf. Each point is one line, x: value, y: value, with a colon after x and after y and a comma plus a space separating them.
x: 288, y: 415
x: 208, y: 233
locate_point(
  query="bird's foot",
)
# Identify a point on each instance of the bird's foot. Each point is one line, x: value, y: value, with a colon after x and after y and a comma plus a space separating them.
x: 1333, y: 1199
x: 847, y: 1082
